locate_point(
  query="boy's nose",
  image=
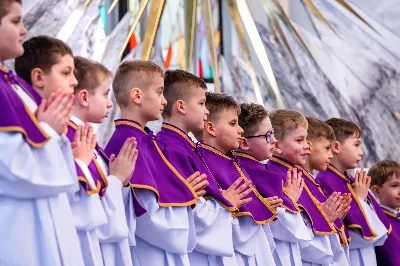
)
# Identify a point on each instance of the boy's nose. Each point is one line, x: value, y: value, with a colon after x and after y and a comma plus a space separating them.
x: 240, y: 131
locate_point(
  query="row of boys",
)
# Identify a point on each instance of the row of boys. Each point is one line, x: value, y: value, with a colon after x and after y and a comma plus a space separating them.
x: 164, y: 199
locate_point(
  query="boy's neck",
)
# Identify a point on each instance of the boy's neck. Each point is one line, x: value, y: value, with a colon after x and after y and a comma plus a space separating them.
x: 283, y: 157
x: 176, y: 121
x: 338, y: 165
x: 133, y: 115
x: 39, y: 91
x: 308, y: 166
x: 249, y: 153
x: 211, y: 141
x: 80, y: 114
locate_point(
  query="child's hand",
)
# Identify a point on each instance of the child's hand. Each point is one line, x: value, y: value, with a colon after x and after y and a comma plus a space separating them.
x: 198, y: 183
x: 56, y: 111
x: 294, y: 183
x: 274, y: 202
x: 236, y: 195
x: 361, y: 184
x: 84, y: 144
x: 332, y: 206
x: 345, y: 205
x: 123, y: 166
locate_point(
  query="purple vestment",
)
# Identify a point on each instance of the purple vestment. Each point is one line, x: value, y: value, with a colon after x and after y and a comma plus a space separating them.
x: 321, y: 224
x: 333, y: 180
x: 389, y: 253
x: 153, y: 171
x: 268, y: 183
x: 15, y: 116
x: 100, y: 178
x: 180, y: 151
x: 226, y: 169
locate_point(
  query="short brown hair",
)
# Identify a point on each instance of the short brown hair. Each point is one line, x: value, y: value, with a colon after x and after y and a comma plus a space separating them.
x: 40, y: 52
x: 89, y: 74
x: 216, y: 103
x: 251, y: 115
x: 179, y: 85
x: 133, y: 74
x: 285, y: 121
x: 5, y: 6
x: 344, y: 129
x: 318, y: 129
x: 382, y: 171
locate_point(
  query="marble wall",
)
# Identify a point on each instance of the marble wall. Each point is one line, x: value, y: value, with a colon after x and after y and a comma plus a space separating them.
x: 354, y: 76
x: 354, y: 73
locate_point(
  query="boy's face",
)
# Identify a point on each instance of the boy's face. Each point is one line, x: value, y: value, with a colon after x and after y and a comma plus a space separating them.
x: 12, y: 31
x: 153, y: 100
x: 294, y: 147
x: 60, y: 76
x: 227, y: 130
x: 389, y: 193
x: 196, y: 111
x: 321, y: 154
x: 349, y: 152
x: 259, y: 147
x: 99, y: 103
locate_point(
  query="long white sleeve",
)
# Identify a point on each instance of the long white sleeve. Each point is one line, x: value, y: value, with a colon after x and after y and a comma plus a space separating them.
x: 289, y: 230
x: 250, y: 243
x: 28, y: 172
x: 289, y: 227
x: 165, y: 227
x: 128, y: 198
x: 116, y: 228
x: 361, y: 250
x: 213, y: 222
x: 357, y: 241
x: 316, y: 251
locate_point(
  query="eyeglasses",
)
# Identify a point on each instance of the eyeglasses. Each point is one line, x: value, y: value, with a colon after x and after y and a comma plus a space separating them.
x: 268, y: 136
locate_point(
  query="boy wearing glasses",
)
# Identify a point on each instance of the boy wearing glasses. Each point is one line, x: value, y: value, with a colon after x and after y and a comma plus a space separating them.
x: 258, y: 145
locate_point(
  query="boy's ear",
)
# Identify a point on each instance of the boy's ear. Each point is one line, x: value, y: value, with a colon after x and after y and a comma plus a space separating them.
x: 136, y: 95
x: 181, y: 107
x: 375, y: 189
x: 277, y: 148
x: 83, y: 98
x: 37, y: 78
x: 210, y: 129
x: 244, y: 144
x: 336, y: 147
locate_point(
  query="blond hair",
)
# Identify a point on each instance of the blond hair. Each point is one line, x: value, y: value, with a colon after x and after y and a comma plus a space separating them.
x: 133, y: 74
x: 285, y: 121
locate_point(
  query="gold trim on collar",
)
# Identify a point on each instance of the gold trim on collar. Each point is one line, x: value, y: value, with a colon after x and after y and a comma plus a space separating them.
x: 184, y: 135
x: 131, y: 124
x: 314, y: 200
x: 210, y: 148
x: 245, y: 155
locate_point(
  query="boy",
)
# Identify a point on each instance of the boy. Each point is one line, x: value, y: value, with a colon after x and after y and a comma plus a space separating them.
x: 165, y: 230
x: 48, y: 64
x: 92, y: 105
x: 257, y: 145
x: 320, y: 138
x: 366, y: 221
x: 385, y: 184
x: 187, y: 112
x: 291, y: 149
x: 38, y: 226
x: 221, y: 135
